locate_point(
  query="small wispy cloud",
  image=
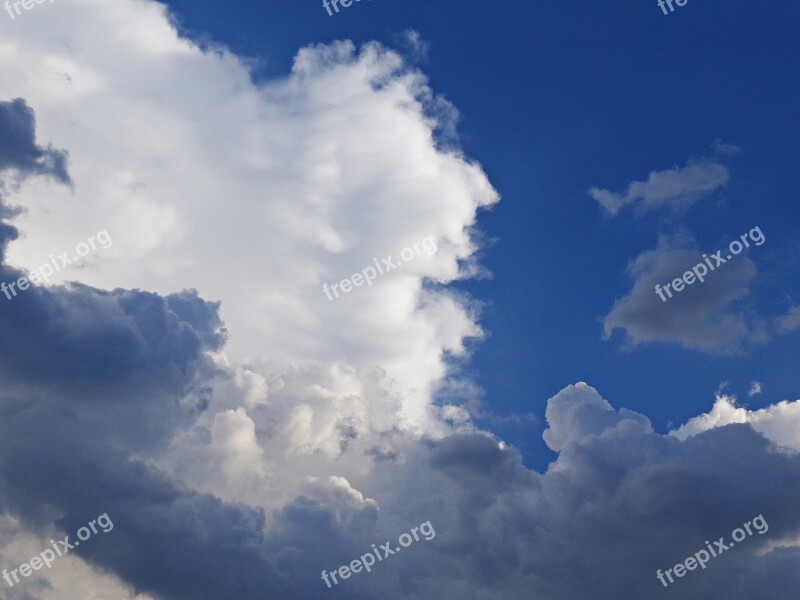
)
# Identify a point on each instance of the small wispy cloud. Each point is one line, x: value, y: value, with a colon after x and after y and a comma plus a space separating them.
x: 720, y: 147
x: 676, y: 188
x: 790, y: 321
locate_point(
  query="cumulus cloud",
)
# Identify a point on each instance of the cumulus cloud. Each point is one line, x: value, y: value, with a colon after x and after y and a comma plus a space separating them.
x: 705, y: 316
x: 255, y: 194
x: 619, y: 502
x: 675, y: 188
x: 579, y: 411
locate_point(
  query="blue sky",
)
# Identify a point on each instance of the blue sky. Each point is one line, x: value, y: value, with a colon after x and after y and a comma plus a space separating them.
x: 518, y: 391
x: 555, y: 99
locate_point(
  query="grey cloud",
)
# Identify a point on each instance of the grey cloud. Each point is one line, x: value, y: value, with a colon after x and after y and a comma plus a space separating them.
x: 619, y: 502
x: 122, y: 361
x: 674, y: 188
x: 19, y: 151
x: 702, y: 316
x: 92, y: 379
x: 20, y: 158
x: 168, y: 541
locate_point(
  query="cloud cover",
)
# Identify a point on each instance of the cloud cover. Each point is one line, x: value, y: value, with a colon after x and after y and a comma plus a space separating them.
x: 232, y: 478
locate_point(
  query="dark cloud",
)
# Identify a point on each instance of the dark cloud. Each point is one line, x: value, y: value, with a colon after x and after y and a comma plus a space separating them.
x: 92, y: 378
x: 19, y: 152
x: 169, y: 541
x: 619, y: 503
x: 20, y: 158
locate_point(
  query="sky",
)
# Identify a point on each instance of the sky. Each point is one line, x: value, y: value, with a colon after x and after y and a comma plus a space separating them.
x: 282, y: 283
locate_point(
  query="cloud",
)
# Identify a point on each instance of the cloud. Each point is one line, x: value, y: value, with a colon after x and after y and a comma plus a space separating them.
x: 416, y: 47
x: 22, y: 159
x: 91, y: 380
x: 256, y: 194
x: 252, y: 196
x: 723, y: 148
x: 579, y: 411
x: 19, y: 153
x: 81, y: 399
x: 704, y: 316
x: 618, y: 502
x: 790, y: 321
x: 242, y: 431
x: 779, y: 422
x: 675, y: 188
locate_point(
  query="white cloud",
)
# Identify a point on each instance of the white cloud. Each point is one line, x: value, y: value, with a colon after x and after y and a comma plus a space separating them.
x: 579, y: 411
x: 780, y: 422
x: 255, y: 195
